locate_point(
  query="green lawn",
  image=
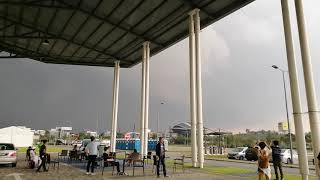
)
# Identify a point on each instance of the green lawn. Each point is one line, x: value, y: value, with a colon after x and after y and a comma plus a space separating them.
x: 50, y: 149
x: 226, y: 171
x: 247, y: 173
x: 286, y: 176
x: 216, y: 156
x: 179, y: 148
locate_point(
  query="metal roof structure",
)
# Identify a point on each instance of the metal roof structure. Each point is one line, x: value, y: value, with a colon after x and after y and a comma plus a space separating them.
x: 98, y: 32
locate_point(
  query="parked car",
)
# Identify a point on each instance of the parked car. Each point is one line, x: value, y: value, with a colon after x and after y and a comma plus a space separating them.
x: 238, y: 153
x: 251, y: 154
x: 286, y: 157
x: 8, y: 154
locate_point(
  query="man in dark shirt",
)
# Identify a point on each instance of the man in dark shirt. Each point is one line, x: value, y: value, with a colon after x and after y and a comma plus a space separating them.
x: 277, y: 159
x: 160, y: 152
x: 43, y: 156
x: 106, y: 159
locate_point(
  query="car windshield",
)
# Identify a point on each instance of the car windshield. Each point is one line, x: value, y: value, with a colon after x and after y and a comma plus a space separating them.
x: 6, y: 147
x: 237, y: 149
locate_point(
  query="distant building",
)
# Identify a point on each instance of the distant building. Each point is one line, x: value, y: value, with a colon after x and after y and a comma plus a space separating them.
x: 61, y: 131
x: 20, y: 136
x: 92, y: 133
x: 283, y: 127
x: 39, y: 132
x: 181, y: 129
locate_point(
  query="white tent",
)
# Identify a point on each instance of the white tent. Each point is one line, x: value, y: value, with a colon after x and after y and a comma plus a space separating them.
x: 20, y: 137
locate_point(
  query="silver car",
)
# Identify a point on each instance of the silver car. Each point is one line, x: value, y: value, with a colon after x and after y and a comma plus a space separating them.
x: 8, y: 154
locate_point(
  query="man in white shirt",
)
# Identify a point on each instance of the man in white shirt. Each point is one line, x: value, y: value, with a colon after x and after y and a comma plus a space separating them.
x: 92, y: 152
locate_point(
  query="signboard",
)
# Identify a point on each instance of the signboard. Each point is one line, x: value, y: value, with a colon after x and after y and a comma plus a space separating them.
x: 127, y: 136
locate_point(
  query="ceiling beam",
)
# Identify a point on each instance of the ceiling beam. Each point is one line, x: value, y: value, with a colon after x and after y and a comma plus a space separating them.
x: 53, y: 17
x: 55, y: 36
x: 111, y: 22
x: 64, y: 27
x: 137, y: 24
x: 66, y: 6
x: 35, y: 4
x: 97, y: 27
x: 80, y: 28
x: 195, y: 6
x: 27, y: 53
x: 117, y: 25
x: 34, y: 24
x: 147, y: 30
x: 5, y: 27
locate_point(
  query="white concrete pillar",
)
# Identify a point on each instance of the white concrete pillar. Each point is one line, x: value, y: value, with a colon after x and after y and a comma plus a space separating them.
x: 143, y: 88
x: 193, y: 113
x: 115, y: 105
x: 295, y: 93
x: 146, y: 111
x: 198, y: 88
x: 309, y: 82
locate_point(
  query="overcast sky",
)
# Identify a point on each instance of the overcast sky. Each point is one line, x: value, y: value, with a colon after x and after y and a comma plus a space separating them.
x: 240, y: 89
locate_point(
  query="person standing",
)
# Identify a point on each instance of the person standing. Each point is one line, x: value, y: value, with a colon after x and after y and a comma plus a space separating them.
x: 263, y: 161
x: 110, y: 160
x: 277, y: 159
x: 43, y: 156
x: 92, y: 152
x: 160, y: 152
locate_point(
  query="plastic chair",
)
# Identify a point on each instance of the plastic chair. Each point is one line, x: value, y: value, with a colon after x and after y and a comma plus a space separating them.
x: 64, y: 154
x: 149, y: 156
x: 138, y: 163
x: 178, y: 161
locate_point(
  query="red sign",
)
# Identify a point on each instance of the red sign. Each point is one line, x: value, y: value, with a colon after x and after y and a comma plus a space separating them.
x: 127, y: 136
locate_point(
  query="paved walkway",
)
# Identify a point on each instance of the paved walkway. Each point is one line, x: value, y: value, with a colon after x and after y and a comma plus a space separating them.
x: 67, y: 172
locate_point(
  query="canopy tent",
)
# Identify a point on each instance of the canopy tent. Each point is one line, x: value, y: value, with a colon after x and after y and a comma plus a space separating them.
x: 99, y: 32
x: 19, y: 136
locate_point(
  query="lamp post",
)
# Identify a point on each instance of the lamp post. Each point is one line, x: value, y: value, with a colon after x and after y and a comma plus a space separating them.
x: 285, y: 98
x: 158, y: 119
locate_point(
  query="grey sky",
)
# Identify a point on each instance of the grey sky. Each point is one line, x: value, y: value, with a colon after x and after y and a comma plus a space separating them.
x: 240, y: 89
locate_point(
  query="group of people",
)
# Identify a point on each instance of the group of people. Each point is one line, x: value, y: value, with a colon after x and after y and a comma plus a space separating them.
x: 92, y: 152
x: 264, y: 169
x: 33, y: 159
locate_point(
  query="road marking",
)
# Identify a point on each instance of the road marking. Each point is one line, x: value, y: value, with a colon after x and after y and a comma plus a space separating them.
x: 16, y: 176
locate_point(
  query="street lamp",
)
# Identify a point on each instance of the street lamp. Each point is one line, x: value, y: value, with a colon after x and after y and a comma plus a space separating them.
x: 158, y: 119
x: 285, y: 98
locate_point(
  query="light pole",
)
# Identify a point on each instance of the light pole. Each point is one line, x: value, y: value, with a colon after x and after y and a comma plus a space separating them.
x: 158, y: 119
x: 285, y: 98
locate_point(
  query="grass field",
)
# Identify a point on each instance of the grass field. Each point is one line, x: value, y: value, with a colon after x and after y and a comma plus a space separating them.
x: 50, y: 149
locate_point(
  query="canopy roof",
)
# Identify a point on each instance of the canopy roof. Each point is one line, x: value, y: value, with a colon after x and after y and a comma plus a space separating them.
x: 98, y: 32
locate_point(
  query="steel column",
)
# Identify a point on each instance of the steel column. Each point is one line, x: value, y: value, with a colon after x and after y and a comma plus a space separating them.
x: 198, y: 88
x: 143, y: 96
x: 146, y: 111
x: 295, y: 93
x: 309, y: 82
x: 193, y: 113
x: 115, y: 105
